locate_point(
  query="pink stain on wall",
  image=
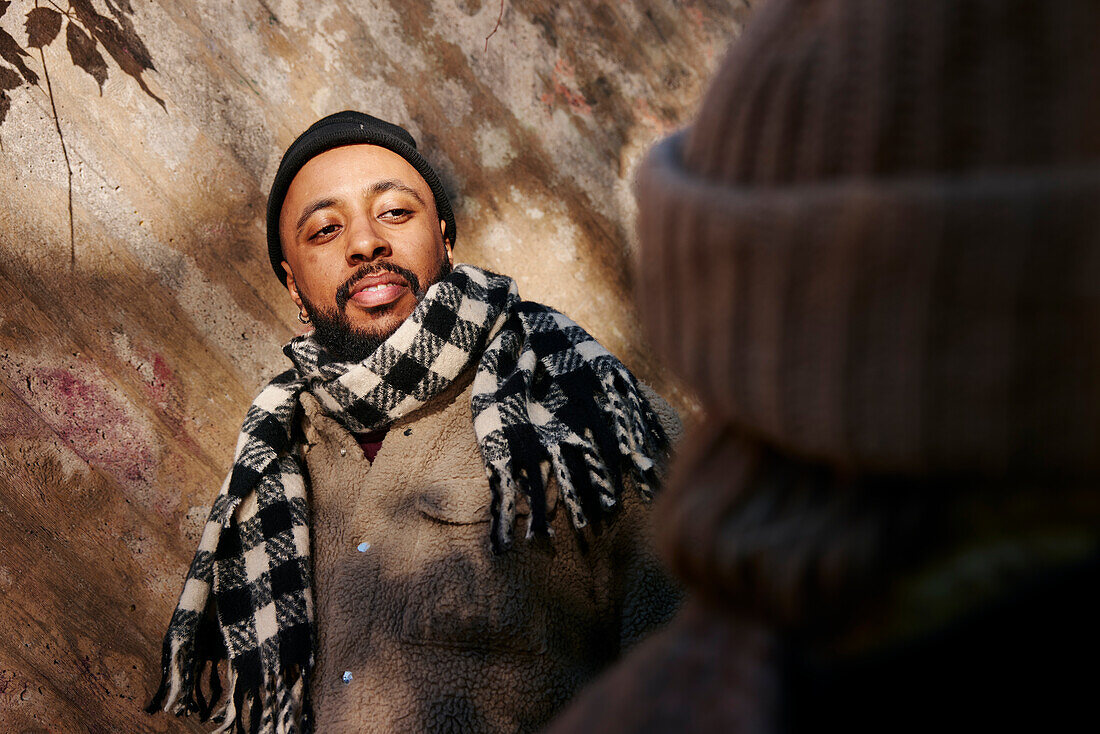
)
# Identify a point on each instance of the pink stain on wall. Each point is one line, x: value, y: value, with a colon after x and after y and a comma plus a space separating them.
x: 163, y: 380
x: 161, y: 386
x: 563, y: 81
x: 165, y: 391
x: 94, y: 422
x: 215, y: 232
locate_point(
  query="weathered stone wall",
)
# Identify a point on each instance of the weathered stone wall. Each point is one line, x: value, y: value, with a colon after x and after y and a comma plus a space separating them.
x: 138, y: 312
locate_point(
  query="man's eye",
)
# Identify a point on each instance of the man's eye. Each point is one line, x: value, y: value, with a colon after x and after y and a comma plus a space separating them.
x: 324, y: 231
x: 397, y: 213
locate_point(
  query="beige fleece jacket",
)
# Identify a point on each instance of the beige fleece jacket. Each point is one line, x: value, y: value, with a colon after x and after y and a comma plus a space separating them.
x: 437, y: 633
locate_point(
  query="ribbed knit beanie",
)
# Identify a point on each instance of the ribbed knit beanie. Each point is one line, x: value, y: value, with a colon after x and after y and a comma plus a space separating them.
x: 878, y: 245
x: 347, y: 128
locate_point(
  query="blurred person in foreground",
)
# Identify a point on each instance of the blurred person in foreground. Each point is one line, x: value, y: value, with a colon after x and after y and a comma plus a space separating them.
x: 878, y: 251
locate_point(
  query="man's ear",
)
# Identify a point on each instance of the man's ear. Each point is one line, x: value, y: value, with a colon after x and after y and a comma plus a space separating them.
x: 292, y: 286
x: 447, y: 246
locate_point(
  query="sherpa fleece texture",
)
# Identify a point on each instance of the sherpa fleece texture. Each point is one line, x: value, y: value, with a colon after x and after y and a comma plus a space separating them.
x: 439, y: 634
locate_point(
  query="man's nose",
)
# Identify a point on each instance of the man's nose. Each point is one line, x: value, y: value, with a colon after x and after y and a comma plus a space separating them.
x: 365, y: 241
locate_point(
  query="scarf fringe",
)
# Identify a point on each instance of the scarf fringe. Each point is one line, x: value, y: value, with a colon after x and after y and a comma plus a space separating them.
x: 193, y: 651
x: 227, y: 712
x: 171, y: 678
x: 589, y: 485
x: 637, y: 428
x: 277, y: 707
x: 502, y: 506
x: 182, y: 670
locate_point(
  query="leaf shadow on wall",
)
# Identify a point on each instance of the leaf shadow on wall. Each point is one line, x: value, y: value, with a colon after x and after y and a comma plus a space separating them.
x: 86, y: 32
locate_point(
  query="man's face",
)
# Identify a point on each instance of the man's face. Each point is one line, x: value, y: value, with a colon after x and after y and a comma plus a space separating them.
x: 362, y: 242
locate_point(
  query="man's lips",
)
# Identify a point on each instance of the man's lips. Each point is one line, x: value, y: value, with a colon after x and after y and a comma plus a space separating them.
x: 378, y: 290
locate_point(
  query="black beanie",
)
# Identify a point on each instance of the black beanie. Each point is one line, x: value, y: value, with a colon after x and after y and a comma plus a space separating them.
x: 346, y: 128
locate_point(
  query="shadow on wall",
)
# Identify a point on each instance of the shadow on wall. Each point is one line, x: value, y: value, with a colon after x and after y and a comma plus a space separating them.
x: 85, y: 31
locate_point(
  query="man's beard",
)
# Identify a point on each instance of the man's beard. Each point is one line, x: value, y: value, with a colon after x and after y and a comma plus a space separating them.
x: 333, y: 329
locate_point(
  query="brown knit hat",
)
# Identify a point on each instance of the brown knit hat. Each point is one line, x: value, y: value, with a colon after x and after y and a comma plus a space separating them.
x: 879, y: 244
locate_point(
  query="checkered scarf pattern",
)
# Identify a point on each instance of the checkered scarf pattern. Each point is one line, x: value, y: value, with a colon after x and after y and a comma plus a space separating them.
x: 548, y: 400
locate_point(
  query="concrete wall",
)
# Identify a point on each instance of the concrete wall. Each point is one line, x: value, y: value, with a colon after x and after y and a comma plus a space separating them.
x: 138, y: 312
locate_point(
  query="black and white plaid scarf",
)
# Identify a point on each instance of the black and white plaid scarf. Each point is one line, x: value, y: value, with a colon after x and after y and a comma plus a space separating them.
x: 546, y: 398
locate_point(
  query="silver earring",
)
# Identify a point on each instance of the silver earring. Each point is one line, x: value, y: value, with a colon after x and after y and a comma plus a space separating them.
x: 302, y: 317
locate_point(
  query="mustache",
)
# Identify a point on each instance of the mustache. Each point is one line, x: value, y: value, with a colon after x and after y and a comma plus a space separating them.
x: 343, y: 293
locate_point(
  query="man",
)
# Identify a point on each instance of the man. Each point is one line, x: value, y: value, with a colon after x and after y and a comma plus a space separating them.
x: 358, y: 567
